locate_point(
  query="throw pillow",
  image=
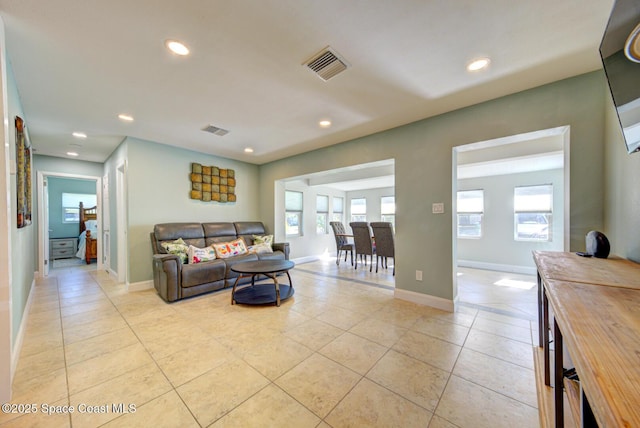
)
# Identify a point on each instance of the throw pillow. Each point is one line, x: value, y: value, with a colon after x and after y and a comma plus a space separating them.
x: 197, y: 255
x: 177, y: 247
x: 266, y: 239
x: 260, y: 248
x: 229, y: 249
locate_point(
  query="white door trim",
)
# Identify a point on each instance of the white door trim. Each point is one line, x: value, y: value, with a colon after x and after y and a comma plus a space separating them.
x: 44, y: 211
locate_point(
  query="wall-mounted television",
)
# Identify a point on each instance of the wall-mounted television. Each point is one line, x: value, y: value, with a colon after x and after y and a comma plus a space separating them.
x: 620, y: 53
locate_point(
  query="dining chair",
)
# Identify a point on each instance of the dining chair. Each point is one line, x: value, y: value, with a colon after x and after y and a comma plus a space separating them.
x: 385, y: 245
x: 342, y: 242
x: 363, y: 242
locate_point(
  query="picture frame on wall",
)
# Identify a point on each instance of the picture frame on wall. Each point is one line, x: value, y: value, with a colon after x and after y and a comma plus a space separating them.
x: 23, y: 174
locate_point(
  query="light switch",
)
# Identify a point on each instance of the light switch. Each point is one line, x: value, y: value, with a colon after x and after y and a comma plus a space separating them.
x: 437, y: 208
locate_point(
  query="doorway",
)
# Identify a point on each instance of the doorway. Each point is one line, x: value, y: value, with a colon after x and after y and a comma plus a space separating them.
x: 44, y: 214
x: 510, y: 197
x: 331, y: 195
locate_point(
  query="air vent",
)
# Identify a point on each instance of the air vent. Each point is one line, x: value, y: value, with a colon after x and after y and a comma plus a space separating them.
x: 215, y: 130
x: 327, y: 64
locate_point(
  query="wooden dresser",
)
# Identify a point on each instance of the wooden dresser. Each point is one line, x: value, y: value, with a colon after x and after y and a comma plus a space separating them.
x: 62, y: 248
x: 595, y: 308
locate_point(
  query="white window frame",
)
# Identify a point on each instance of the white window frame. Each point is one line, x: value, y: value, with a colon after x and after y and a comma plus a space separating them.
x: 71, y: 205
x: 293, y: 211
x: 322, y: 214
x: 338, y: 209
x: 388, y: 209
x: 358, y: 216
x: 472, y: 211
x: 533, y: 213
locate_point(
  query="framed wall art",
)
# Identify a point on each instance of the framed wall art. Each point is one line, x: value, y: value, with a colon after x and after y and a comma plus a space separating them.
x: 212, y: 184
x: 23, y: 174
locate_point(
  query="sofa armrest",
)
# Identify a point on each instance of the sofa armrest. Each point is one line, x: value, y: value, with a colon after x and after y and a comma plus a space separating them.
x: 167, y: 276
x: 282, y: 246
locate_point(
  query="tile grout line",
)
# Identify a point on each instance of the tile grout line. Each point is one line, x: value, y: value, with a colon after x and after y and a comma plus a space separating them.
x: 491, y: 356
x: 64, y: 344
x: 173, y: 387
x: 368, y: 315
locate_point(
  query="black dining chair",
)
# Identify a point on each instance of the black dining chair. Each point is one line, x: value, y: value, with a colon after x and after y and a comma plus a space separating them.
x: 342, y: 242
x: 363, y: 242
x: 385, y: 245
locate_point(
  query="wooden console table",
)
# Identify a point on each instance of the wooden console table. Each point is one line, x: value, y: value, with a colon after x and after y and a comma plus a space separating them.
x: 596, y: 313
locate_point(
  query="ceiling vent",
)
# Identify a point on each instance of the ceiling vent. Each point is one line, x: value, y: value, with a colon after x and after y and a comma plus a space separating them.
x: 215, y: 130
x: 327, y: 64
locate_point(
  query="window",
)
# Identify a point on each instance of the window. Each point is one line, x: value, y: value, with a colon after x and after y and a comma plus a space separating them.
x: 470, y: 212
x: 293, y: 208
x: 533, y: 212
x: 71, y: 205
x: 338, y: 209
x: 322, y: 212
x: 359, y: 209
x: 388, y: 209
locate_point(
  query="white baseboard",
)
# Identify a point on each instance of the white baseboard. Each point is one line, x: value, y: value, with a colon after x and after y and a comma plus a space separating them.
x: 139, y: 286
x: 525, y: 270
x: 424, y: 299
x: 112, y: 274
x: 305, y: 259
x: 17, y: 346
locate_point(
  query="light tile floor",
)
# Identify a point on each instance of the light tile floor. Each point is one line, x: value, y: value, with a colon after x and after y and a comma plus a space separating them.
x: 341, y: 353
x: 500, y: 292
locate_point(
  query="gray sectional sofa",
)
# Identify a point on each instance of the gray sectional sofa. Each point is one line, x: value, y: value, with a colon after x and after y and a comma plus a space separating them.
x: 175, y: 280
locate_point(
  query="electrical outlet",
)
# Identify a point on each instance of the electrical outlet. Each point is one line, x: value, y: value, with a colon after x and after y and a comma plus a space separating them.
x: 437, y: 208
x: 418, y: 275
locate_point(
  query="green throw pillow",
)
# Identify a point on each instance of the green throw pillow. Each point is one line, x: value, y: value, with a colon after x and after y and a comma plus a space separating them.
x: 266, y: 239
x: 177, y: 247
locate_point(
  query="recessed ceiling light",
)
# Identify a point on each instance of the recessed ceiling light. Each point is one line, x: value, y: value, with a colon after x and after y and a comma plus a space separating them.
x: 79, y: 135
x: 74, y: 154
x: 176, y: 47
x: 248, y: 150
x: 125, y: 117
x: 324, y: 123
x: 478, y: 64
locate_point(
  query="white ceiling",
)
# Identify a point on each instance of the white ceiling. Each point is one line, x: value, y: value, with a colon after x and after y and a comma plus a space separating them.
x: 80, y: 63
x: 372, y: 175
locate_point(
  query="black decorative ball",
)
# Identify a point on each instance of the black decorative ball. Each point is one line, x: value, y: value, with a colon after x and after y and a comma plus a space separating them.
x: 598, y: 244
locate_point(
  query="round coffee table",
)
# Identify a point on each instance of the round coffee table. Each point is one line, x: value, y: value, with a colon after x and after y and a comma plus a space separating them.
x: 261, y: 294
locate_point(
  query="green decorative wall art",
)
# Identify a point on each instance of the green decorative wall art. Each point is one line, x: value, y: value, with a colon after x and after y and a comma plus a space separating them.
x: 212, y: 184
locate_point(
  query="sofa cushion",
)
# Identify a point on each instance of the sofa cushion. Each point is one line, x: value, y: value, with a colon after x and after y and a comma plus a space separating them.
x: 219, y: 232
x: 202, y: 273
x: 231, y: 261
x: 198, y: 255
x: 190, y: 233
x: 246, y: 230
x: 233, y: 248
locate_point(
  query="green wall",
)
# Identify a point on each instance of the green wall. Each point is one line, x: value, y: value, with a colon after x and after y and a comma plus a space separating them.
x: 24, y: 240
x: 158, y: 188
x: 57, y: 186
x: 423, y: 163
x: 622, y: 202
